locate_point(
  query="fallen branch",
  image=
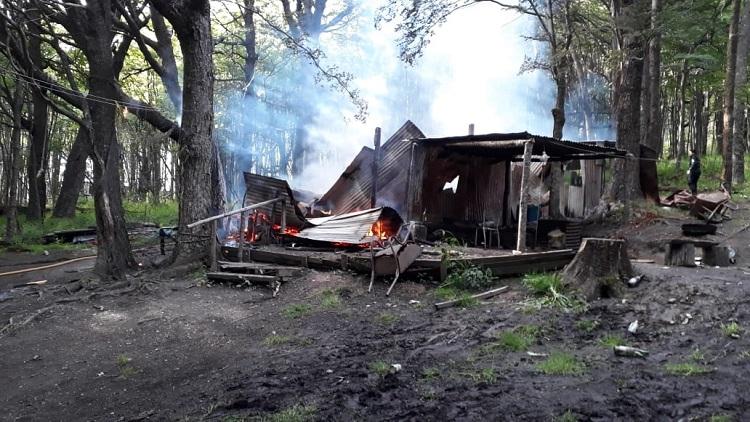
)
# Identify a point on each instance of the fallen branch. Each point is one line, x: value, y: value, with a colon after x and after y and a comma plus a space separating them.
x: 12, y: 326
x: 485, y: 295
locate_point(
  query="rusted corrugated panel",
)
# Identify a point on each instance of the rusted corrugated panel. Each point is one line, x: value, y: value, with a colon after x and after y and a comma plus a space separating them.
x: 351, y: 191
x: 352, y: 228
x: 263, y: 188
x: 393, y: 168
x: 593, y: 183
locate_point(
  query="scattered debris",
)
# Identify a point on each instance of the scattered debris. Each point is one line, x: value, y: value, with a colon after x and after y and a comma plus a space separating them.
x: 633, y: 327
x: 537, y: 355
x: 630, y: 352
x: 634, y: 281
x: 396, y: 367
x: 413, y: 302
x: 485, y: 295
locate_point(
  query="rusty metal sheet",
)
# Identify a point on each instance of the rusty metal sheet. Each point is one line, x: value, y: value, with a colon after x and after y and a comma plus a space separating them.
x: 263, y: 188
x: 352, y: 228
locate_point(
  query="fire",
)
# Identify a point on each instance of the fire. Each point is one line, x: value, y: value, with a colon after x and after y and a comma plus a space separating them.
x: 378, y: 231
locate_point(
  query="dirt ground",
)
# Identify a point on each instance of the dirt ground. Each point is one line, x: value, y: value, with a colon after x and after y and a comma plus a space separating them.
x: 176, y: 349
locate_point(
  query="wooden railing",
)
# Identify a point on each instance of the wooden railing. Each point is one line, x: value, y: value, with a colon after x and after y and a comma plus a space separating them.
x: 212, y: 220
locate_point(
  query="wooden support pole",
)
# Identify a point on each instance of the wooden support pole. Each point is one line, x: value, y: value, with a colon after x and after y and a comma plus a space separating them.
x: 241, y: 253
x: 471, y: 129
x: 375, y: 169
x: 283, y: 218
x: 372, y: 265
x: 524, y: 199
x: 212, y: 252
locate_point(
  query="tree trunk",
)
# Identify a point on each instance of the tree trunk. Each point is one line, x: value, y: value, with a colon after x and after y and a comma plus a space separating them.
x: 73, y: 176
x: 55, y: 175
x: 653, y: 136
x: 11, y: 213
x: 599, y: 269
x: 36, y: 162
x: 729, y: 94
x: 681, y: 144
x: 738, y: 144
x: 558, y: 116
x: 192, y: 23
x: 626, y: 182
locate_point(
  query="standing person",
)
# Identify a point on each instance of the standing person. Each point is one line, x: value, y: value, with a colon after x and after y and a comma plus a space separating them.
x: 694, y: 172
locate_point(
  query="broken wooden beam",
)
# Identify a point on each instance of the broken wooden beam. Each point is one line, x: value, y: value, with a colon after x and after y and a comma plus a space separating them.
x: 236, y: 277
x: 485, y: 295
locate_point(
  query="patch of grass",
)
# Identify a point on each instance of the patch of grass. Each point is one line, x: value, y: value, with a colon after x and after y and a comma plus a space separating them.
x: 430, y: 373
x: 568, y: 416
x: 720, y: 418
x: 296, y: 413
x: 686, y: 369
x: 561, y: 363
x: 445, y: 293
x: 549, y: 288
x: 380, y: 368
x: 517, y: 340
x: 587, y: 325
x: 698, y: 356
x: 330, y: 299
x: 164, y: 213
x: 486, y: 375
x: 276, y: 340
x: 731, y: 329
x: 468, y: 276
x: 611, y: 340
x: 297, y: 310
x: 387, y: 318
x: 126, y: 369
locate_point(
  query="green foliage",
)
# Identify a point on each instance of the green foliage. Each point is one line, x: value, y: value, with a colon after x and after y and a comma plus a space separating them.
x: 330, y: 299
x: 462, y: 274
x: 549, y: 289
x: 517, y: 340
x: 465, y: 299
x: 611, y: 340
x: 380, y: 368
x: 431, y: 373
x: 164, y: 213
x: 721, y: 418
x: 587, y: 325
x: 698, y: 356
x: 731, y: 329
x: 686, y: 369
x: 486, y: 376
x: 568, y: 416
x: 561, y: 363
x: 297, y: 310
x: 387, y: 318
x: 123, y: 364
x: 276, y: 340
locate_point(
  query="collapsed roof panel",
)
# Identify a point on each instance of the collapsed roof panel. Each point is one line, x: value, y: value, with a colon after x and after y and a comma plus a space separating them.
x: 263, y: 188
x: 353, y: 228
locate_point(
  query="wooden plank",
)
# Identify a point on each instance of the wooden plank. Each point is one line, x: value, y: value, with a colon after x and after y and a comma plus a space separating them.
x: 227, y: 214
x: 524, y: 199
x: 242, y: 277
x: 485, y: 295
x: 213, y: 245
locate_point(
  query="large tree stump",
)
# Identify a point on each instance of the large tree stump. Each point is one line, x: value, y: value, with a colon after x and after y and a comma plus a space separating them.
x: 680, y: 254
x: 599, y: 269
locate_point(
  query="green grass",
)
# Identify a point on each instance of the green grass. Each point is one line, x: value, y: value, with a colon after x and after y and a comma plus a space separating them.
x: 686, y: 369
x: 164, y: 214
x: 486, y: 376
x: 330, y: 299
x: 721, y: 418
x: 445, y: 293
x: 297, y: 310
x: 568, y: 416
x: 380, y: 368
x: 276, y: 340
x: 517, y: 340
x: 711, y: 167
x: 587, y: 325
x: 611, y: 340
x: 387, y: 318
x: 561, y: 363
x: 549, y: 288
x: 126, y: 369
x: 430, y: 373
x: 296, y: 413
x: 698, y: 356
x: 731, y: 329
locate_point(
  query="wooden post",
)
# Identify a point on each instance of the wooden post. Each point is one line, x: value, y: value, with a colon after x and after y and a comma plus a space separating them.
x: 375, y: 169
x: 212, y: 252
x: 241, y: 253
x: 283, y: 216
x: 471, y: 129
x: 417, y: 165
x: 524, y: 199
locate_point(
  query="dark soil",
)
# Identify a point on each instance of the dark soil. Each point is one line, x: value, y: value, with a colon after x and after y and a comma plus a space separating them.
x: 175, y: 349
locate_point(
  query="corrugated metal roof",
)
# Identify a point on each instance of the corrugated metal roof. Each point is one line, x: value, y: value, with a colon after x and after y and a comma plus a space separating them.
x: 352, y: 228
x: 500, y: 145
x: 263, y: 188
x: 352, y: 190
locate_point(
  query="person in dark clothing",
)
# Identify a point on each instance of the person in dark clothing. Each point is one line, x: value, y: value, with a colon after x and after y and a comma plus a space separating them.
x: 694, y: 172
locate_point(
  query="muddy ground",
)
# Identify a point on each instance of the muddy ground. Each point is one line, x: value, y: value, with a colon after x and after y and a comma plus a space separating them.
x: 176, y: 349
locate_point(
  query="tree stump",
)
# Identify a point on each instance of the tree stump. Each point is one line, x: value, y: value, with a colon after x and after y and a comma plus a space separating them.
x: 599, y: 269
x: 680, y: 254
x: 717, y: 256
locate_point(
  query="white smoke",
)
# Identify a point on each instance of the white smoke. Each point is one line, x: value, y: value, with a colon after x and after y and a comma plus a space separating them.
x: 469, y: 74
